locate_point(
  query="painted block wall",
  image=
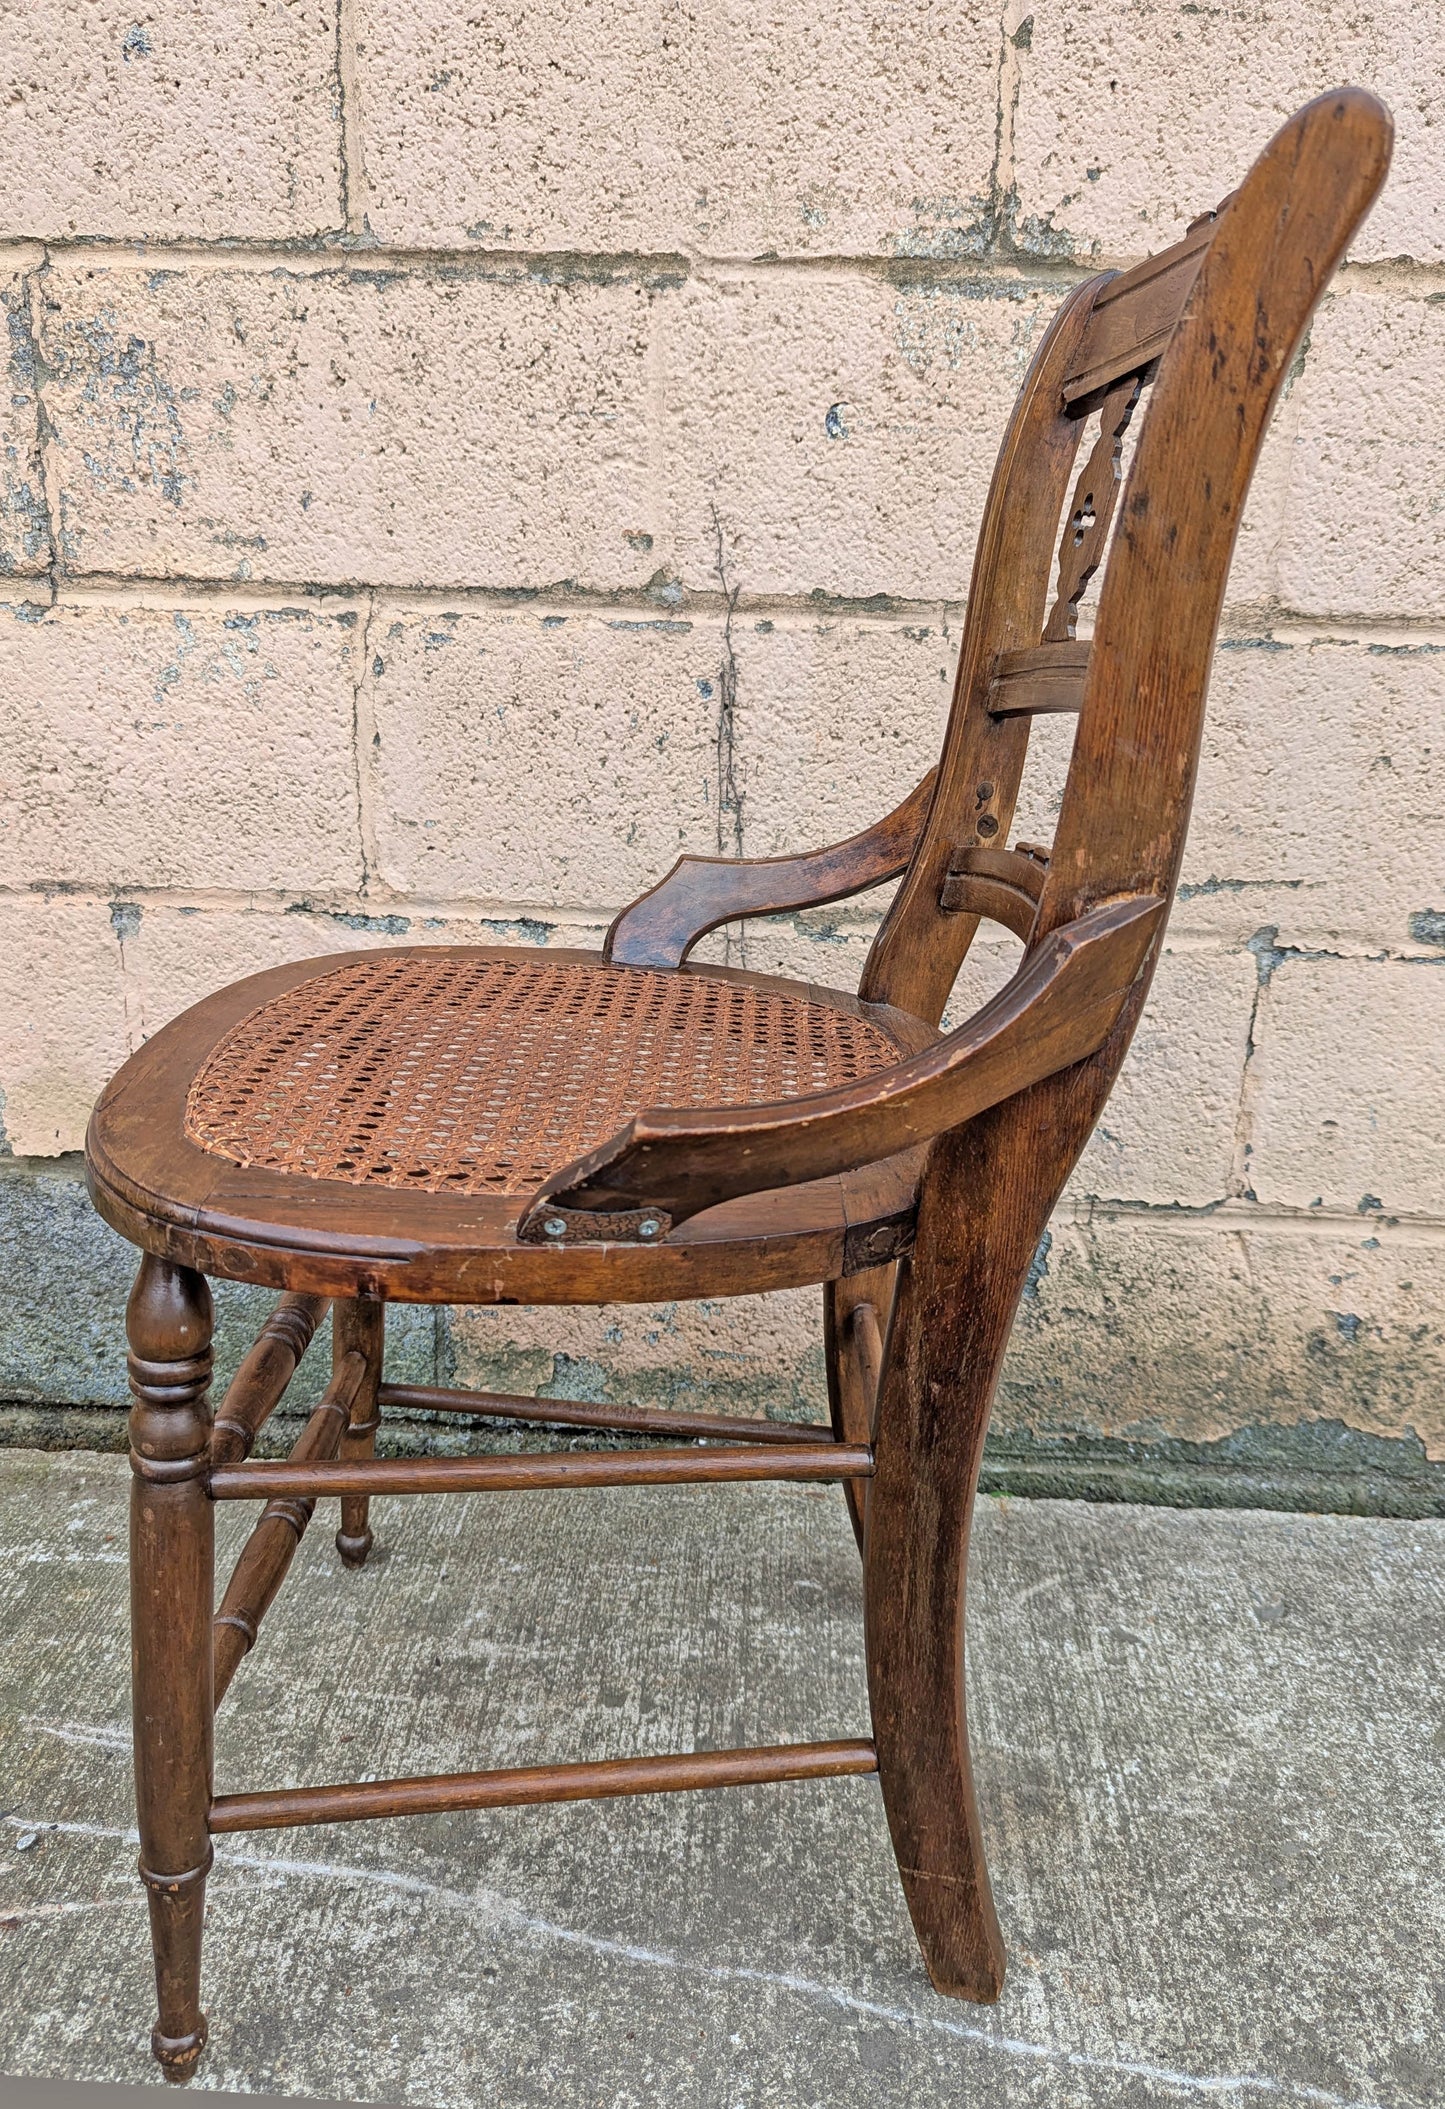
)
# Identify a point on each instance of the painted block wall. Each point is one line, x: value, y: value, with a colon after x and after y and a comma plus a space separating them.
x: 398, y: 394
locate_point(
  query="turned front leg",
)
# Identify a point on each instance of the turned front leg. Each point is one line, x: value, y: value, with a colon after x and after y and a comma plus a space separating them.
x: 359, y: 1323
x: 172, y: 1568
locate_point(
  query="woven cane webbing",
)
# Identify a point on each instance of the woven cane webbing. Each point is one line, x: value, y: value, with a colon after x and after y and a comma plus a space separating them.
x: 454, y: 1073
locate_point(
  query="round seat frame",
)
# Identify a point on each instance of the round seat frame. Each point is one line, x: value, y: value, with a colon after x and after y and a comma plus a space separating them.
x: 276, y: 1054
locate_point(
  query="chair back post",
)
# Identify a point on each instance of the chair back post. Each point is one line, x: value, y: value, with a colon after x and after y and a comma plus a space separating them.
x: 1273, y: 251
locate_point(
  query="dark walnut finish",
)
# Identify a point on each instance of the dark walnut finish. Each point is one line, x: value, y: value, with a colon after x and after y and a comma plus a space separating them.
x: 491, y: 1126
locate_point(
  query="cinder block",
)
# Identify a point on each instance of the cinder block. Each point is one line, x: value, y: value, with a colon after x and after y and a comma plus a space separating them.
x: 63, y: 1025
x: 1133, y: 120
x: 64, y: 1280
x: 178, y: 747
x: 1361, y: 533
x: 177, y: 955
x: 541, y: 758
x: 836, y: 720
x: 345, y: 424
x: 1349, y: 1112
x: 1318, y: 811
x: 1145, y: 1328
x: 837, y: 131
x: 202, y: 120
x: 24, y: 516
x: 827, y: 946
x: 1167, y: 1134
x: 840, y: 431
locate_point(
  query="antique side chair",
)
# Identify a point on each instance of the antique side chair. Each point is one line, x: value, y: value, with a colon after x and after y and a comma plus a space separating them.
x: 484, y: 1126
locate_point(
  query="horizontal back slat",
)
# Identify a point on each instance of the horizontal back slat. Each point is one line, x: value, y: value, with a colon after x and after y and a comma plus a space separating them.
x: 1045, y: 680
x: 1134, y: 315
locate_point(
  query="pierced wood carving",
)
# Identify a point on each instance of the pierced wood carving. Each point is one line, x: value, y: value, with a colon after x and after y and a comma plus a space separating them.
x: 1086, y: 530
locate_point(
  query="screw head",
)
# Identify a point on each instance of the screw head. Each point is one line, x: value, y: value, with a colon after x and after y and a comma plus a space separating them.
x: 649, y: 1227
x: 555, y: 1227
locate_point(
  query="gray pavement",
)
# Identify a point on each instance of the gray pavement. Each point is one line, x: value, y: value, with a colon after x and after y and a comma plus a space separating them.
x: 1210, y: 1745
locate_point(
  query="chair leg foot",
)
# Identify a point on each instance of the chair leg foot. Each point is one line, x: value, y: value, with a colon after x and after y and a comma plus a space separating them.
x: 354, y: 1547
x: 177, y: 1912
x: 178, y: 2056
x: 916, y: 1559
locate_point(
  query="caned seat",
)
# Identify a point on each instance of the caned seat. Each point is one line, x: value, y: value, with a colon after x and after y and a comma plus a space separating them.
x: 377, y: 1122
x: 487, y: 1126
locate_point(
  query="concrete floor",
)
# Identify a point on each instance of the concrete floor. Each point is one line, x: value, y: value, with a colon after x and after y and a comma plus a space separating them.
x: 1210, y: 1748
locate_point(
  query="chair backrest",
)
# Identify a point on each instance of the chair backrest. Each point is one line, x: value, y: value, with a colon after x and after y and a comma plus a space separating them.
x: 1192, y: 346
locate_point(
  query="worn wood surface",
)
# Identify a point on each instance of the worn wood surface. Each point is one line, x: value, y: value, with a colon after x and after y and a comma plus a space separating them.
x: 676, y: 1772
x: 698, y: 1465
x: 700, y: 893
x: 1047, y: 680
x: 573, y: 1413
x: 1135, y: 314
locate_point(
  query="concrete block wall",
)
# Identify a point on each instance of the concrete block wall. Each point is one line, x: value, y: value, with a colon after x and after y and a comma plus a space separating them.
x: 411, y: 413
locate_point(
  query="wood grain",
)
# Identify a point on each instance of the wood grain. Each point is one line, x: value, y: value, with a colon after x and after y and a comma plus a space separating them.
x: 621, y: 1420
x: 1047, y: 680
x: 169, y: 1322
x: 700, y: 893
x: 525, y: 1786
x: 562, y: 1468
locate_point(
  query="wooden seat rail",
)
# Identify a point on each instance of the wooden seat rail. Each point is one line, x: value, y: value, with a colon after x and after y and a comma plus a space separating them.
x: 678, y: 1772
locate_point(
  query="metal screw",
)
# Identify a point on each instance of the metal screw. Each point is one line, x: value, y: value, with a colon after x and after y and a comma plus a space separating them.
x: 555, y: 1227
x: 649, y: 1228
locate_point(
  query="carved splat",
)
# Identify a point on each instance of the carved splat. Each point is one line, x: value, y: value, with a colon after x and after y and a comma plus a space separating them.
x: 1091, y: 515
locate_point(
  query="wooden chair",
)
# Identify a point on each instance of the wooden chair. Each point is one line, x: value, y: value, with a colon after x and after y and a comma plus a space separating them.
x: 475, y: 1126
